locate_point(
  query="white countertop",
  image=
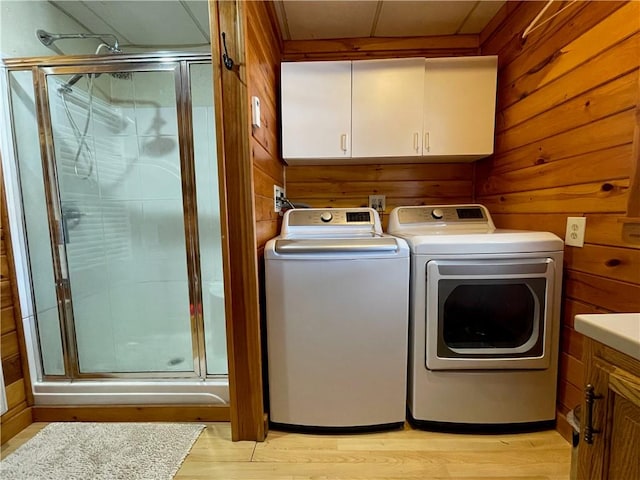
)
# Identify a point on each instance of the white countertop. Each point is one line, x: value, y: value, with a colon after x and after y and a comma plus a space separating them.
x: 620, y: 331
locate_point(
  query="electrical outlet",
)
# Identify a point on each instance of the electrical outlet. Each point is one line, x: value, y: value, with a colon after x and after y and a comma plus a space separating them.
x: 575, y: 231
x: 377, y: 202
x: 278, y: 195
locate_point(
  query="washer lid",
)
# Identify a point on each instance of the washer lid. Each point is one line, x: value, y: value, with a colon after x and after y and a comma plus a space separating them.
x: 337, y: 245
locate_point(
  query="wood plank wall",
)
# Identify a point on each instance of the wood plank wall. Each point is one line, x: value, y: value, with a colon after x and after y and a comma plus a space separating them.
x: 380, y: 47
x: 264, y: 49
x: 16, y: 376
x: 402, y: 184
x: 564, y: 141
x: 263, y: 71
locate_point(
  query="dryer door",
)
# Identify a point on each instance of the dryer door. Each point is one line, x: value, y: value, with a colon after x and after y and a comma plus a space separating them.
x: 489, y: 313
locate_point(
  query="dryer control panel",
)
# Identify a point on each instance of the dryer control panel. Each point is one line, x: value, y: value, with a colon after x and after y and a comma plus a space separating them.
x: 442, y: 216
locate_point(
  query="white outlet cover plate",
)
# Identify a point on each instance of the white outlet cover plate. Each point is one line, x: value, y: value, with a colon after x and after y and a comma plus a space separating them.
x: 574, y: 236
x: 278, y: 192
x: 378, y: 202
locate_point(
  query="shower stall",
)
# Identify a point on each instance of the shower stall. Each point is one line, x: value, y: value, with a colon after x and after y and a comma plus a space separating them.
x: 113, y: 185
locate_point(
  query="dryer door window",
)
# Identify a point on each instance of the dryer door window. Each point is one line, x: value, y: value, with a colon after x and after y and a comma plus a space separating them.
x: 490, y: 317
x: 488, y: 314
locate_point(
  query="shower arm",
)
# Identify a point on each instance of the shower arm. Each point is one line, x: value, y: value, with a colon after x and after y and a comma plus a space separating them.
x: 47, y: 38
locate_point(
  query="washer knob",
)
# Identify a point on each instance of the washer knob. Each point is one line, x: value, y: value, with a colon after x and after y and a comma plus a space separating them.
x: 326, y: 216
x: 437, y: 213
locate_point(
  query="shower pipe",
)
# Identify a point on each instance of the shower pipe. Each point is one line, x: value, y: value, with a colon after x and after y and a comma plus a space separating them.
x: 47, y: 38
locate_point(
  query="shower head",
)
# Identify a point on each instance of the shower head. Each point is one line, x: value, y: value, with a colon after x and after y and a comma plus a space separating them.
x: 47, y: 38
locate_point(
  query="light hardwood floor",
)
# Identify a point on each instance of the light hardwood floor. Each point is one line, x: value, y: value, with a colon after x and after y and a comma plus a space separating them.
x: 400, y: 454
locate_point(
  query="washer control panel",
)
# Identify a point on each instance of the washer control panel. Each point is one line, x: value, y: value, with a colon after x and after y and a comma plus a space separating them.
x: 309, y: 217
x: 330, y: 223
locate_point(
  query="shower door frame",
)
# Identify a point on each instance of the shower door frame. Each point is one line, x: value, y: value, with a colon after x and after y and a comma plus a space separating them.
x: 165, y: 62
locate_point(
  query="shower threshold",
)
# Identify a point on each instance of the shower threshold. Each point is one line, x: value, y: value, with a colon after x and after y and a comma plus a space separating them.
x: 214, y: 391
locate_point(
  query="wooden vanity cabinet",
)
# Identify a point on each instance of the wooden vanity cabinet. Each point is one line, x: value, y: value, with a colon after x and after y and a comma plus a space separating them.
x: 614, y: 453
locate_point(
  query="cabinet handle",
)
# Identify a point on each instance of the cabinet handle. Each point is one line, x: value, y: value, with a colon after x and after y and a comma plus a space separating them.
x: 343, y: 142
x: 590, y: 397
x: 416, y: 147
x: 427, y: 146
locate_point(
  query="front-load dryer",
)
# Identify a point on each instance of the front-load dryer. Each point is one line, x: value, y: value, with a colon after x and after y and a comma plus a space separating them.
x: 337, y: 292
x: 484, y: 318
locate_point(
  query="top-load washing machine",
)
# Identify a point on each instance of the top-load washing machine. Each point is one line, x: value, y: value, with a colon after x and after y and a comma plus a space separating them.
x: 337, y: 294
x: 484, y: 318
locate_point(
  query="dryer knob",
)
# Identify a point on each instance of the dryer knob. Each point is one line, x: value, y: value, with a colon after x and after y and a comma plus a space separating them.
x: 326, y: 216
x: 437, y: 214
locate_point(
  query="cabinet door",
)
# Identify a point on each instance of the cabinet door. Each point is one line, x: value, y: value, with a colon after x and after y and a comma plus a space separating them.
x: 387, y: 107
x: 613, y: 454
x: 316, y: 110
x: 624, y: 457
x: 459, y: 112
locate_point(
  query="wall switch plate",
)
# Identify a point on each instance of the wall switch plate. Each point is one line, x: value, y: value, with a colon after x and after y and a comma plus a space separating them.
x: 575, y: 231
x: 255, y: 112
x: 278, y: 195
x: 377, y: 202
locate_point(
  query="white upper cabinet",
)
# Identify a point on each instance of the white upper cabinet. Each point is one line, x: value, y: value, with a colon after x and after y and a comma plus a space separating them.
x: 459, y: 107
x: 316, y: 110
x: 409, y: 109
x: 387, y: 108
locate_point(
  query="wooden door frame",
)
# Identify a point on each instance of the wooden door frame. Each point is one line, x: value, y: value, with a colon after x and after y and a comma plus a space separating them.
x: 235, y: 169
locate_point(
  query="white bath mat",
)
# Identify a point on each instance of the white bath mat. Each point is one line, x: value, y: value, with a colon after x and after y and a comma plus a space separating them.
x: 102, y: 451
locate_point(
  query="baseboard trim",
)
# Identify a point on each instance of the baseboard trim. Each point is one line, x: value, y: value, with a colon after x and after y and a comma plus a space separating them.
x: 15, y: 424
x: 563, y: 427
x: 131, y: 413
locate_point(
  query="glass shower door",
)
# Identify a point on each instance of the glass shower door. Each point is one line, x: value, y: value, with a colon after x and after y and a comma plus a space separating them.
x: 119, y: 213
x: 209, y: 226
